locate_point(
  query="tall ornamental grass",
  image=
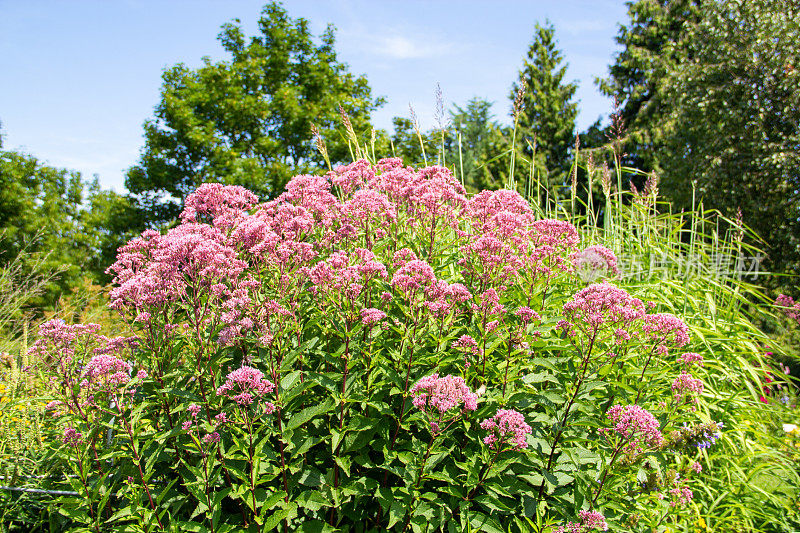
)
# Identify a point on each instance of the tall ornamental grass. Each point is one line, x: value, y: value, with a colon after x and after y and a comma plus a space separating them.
x: 373, y: 350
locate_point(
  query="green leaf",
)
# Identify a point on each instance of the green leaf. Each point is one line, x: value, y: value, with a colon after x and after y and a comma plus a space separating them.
x: 482, y: 522
x: 309, y: 412
x: 312, y: 500
x: 271, y: 523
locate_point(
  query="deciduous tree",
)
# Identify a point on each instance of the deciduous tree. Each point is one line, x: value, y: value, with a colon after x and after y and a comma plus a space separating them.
x: 247, y: 120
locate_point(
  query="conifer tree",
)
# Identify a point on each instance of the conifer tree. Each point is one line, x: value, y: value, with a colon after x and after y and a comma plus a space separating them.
x: 546, y: 113
x: 474, y: 141
x: 651, y: 48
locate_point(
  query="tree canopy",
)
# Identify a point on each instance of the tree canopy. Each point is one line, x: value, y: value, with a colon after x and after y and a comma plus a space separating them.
x: 709, y: 93
x: 546, y: 113
x: 732, y: 130
x: 54, y: 221
x: 652, y: 47
x: 247, y: 120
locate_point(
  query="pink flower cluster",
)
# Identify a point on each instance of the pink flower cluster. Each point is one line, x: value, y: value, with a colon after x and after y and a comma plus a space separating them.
x: 468, y: 346
x: 636, y: 425
x: 593, y: 520
x: 528, y: 315
x: 690, y: 358
x: 486, y: 204
x: 345, y: 276
x: 685, y: 384
x: 466, y: 343
x: 558, y: 234
x: 665, y: 330
x: 594, y: 261
x: 509, y: 243
x: 245, y: 384
x: 443, y: 394
x: 72, y: 437
x: 681, y: 496
x: 211, y: 438
x: 413, y: 277
x: 371, y: 211
x: 105, y: 372
x: 590, y: 520
x: 57, y: 338
x: 371, y: 316
x: 790, y: 308
x: 154, y: 270
x: 215, y: 200
x: 601, y: 306
x: 506, y: 427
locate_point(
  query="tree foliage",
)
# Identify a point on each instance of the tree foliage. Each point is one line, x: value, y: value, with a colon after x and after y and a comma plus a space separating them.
x: 651, y: 48
x: 247, y: 120
x: 733, y: 128
x: 546, y: 113
x: 51, y: 220
x: 708, y: 90
x: 482, y: 139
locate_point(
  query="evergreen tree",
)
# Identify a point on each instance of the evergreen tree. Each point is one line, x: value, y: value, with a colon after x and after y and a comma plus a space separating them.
x: 481, y: 140
x: 731, y: 133
x: 247, y: 120
x: 652, y: 48
x: 546, y: 113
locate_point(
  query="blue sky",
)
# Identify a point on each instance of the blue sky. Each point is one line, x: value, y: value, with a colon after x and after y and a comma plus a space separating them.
x: 79, y: 77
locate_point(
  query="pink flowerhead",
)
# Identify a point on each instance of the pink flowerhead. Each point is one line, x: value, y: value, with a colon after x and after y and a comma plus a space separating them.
x: 789, y: 307
x: 594, y: 262
x: 555, y: 233
x: 466, y: 343
x: 684, y: 384
x: 211, y: 438
x: 214, y: 200
x: 593, y: 520
x: 590, y: 520
x: 194, y: 409
x: 681, y: 496
x: 636, y: 425
x: 486, y: 204
x: 245, y: 384
x: 443, y: 394
x: 106, y: 372
x: 690, y: 358
x: 506, y: 427
x: 602, y: 306
x: 665, y: 330
x: 414, y: 276
x: 141, y: 374
x: 528, y: 315
x: 72, y: 437
x: 371, y: 316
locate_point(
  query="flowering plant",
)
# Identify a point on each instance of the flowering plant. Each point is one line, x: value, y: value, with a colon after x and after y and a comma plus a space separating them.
x: 370, y: 350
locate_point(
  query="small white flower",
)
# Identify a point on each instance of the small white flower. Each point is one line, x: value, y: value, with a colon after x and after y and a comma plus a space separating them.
x: 790, y: 428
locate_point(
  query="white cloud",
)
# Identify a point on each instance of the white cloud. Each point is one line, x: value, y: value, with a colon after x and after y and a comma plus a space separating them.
x: 401, y: 47
x: 581, y: 27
